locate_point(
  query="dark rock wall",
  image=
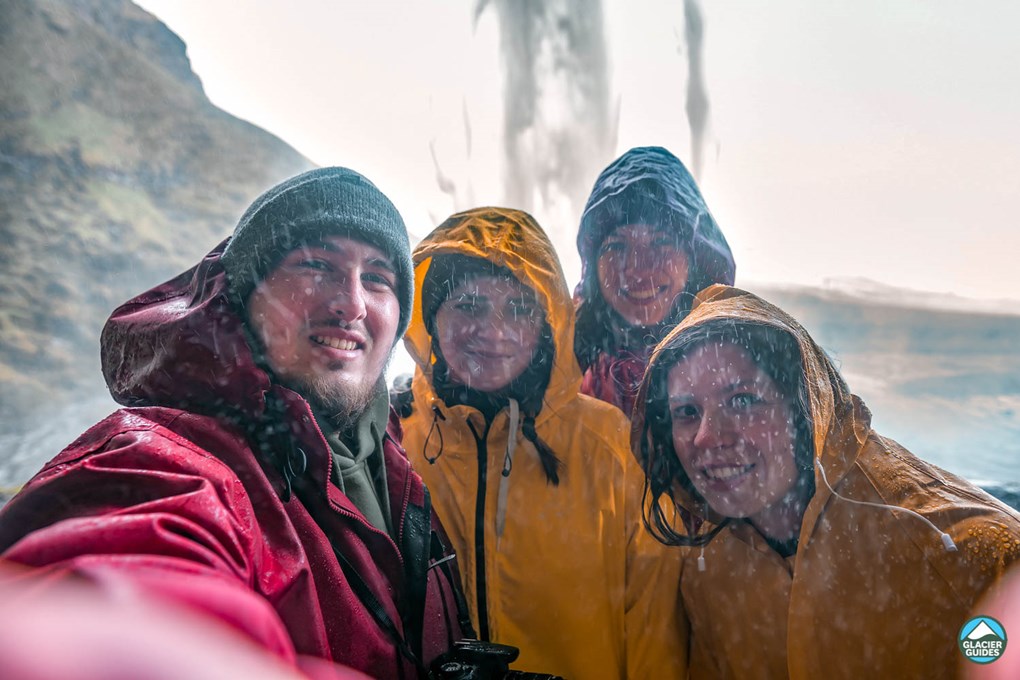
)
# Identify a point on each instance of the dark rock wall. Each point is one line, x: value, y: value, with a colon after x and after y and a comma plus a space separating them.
x: 116, y: 172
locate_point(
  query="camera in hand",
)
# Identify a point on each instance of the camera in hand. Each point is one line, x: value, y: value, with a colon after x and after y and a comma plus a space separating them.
x: 478, y: 660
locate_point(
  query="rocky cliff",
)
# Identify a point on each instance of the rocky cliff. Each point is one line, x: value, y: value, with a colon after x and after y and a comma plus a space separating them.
x: 116, y: 172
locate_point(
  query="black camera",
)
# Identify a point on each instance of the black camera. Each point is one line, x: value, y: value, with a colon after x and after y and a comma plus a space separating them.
x: 477, y: 660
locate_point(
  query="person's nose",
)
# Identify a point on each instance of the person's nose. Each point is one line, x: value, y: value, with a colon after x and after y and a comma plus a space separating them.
x: 347, y: 299
x: 714, y: 430
x: 640, y: 260
x: 494, y: 329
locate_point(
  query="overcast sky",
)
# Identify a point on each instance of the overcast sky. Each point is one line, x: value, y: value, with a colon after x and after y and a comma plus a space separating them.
x: 874, y: 138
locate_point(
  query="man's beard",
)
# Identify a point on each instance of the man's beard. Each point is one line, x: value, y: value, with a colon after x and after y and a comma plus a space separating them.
x: 340, y: 404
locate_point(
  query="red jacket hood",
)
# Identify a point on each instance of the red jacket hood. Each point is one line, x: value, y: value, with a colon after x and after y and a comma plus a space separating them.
x: 184, y: 345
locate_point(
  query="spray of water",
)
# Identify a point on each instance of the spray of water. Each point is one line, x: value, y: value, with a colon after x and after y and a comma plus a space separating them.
x: 467, y: 126
x: 697, y: 96
x: 558, y: 131
x: 462, y: 194
x: 443, y: 181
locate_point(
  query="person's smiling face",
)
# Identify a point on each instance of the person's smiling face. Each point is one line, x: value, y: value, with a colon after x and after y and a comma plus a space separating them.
x: 641, y: 272
x: 732, y: 431
x: 327, y: 318
x: 487, y: 330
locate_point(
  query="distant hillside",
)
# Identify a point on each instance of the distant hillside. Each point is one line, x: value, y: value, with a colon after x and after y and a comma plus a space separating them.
x: 944, y: 382
x: 116, y: 172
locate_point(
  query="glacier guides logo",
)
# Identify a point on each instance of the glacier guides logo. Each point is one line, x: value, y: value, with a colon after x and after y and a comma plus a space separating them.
x: 982, y: 639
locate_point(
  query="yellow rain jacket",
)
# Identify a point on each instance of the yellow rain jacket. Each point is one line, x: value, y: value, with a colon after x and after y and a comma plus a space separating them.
x: 566, y: 573
x: 872, y: 591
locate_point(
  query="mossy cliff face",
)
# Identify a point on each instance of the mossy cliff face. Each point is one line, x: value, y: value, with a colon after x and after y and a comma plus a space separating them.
x: 116, y: 172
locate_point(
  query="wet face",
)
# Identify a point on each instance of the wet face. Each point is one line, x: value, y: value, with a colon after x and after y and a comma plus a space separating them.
x: 327, y: 317
x: 733, y: 433
x: 488, y: 330
x: 641, y: 272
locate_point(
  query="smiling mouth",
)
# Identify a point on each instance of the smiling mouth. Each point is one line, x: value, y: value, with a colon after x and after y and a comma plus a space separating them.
x: 643, y: 295
x: 487, y: 354
x: 335, y: 343
x: 726, y: 473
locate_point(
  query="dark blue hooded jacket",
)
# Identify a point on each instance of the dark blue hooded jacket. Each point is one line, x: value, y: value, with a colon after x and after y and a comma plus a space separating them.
x: 647, y: 185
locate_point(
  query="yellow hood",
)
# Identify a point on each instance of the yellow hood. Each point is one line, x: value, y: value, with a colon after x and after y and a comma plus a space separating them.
x: 895, y: 561
x: 840, y: 419
x: 512, y: 239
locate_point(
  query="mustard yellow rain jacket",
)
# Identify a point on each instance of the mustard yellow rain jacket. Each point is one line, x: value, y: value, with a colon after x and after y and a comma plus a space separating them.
x: 871, y: 592
x: 571, y: 577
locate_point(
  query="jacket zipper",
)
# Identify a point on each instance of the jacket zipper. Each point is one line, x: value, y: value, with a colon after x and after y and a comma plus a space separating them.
x: 483, y: 463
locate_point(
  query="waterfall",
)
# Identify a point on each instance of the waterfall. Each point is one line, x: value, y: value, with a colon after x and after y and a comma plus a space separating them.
x: 697, y: 96
x: 558, y: 131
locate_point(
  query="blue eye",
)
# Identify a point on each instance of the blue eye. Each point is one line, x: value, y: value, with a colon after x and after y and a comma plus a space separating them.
x: 745, y: 400
x: 685, y: 413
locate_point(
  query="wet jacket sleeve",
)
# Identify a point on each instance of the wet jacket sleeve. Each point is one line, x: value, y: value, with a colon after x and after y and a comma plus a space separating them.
x: 655, y: 626
x: 158, y: 517
x: 93, y: 631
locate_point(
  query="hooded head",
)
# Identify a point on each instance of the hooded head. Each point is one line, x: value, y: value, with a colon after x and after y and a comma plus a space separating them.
x: 494, y: 245
x: 488, y: 330
x: 307, y: 209
x: 778, y: 373
x: 500, y: 241
x: 188, y: 343
x: 645, y: 186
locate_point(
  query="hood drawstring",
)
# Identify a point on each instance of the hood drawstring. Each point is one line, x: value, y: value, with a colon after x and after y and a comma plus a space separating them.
x: 437, y: 415
x: 947, y: 540
x: 508, y: 462
x: 294, y: 468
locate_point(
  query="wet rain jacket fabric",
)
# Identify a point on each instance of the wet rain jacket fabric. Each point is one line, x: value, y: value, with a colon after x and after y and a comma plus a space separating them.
x: 644, y: 185
x: 615, y: 378
x: 170, y: 497
x: 573, y: 579
x: 871, y: 591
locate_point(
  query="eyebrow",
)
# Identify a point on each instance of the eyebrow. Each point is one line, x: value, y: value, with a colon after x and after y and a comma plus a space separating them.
x: 737, y: 385
x: 383, y: 263
x: 380, y: 262
x: 474, y: 297
x: 526, y: 297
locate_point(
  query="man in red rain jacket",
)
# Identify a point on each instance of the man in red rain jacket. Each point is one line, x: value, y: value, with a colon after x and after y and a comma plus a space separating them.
x: 255, y: 473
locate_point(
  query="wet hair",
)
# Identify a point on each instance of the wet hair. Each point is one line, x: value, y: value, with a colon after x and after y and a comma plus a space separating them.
x: 446, y: 273
x: 775, y: 352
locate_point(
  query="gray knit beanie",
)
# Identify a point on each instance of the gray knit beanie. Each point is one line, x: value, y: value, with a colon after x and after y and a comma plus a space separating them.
x: 307, y: 208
